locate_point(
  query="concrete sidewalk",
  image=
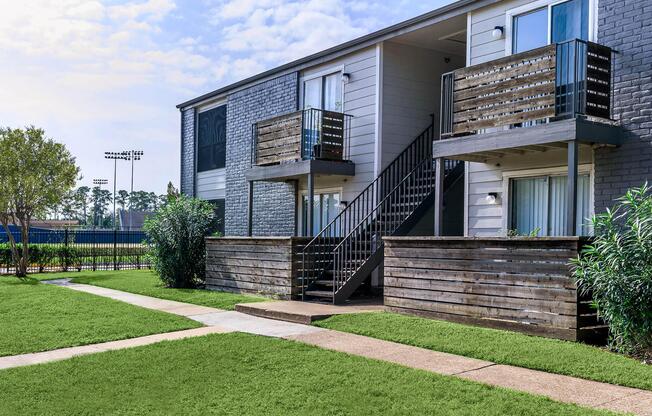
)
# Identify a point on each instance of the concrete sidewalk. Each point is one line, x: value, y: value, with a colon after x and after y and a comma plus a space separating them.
x: 557, y: 387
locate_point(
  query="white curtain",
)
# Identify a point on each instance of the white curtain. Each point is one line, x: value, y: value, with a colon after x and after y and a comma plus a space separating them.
x: 541, y: 203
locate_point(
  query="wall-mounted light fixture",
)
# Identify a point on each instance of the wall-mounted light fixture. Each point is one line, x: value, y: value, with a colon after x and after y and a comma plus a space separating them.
x: 346, y: 77
x: 492, y: 198
x: 497, y: 33
x: 343, y: 205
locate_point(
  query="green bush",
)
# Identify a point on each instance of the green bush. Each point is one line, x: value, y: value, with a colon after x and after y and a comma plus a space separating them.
x: 176, y: 240
x: 616, y: 269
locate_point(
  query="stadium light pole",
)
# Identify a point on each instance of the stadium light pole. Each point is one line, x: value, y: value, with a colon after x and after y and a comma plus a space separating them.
x: 129, y: 155
x: 98, y: 183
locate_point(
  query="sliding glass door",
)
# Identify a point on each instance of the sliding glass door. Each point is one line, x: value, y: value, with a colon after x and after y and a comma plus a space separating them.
x: 539, y: 205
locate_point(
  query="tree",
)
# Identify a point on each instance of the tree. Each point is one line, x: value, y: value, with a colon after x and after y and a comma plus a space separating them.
x: 81, y: 198
x: 176, y: 240
x: 35, y: 174
x: 122, y: 198
x: 100, y: 200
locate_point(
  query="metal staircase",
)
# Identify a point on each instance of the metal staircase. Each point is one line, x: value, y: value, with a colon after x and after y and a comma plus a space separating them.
x: 346, y: 251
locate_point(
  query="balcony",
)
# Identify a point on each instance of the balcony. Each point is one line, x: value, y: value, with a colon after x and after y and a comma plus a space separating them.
x: 529, y: 101
x: 310, y: 141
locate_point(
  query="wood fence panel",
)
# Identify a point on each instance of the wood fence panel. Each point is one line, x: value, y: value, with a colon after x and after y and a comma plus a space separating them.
x: 519, y: 284
x: 261, y: 266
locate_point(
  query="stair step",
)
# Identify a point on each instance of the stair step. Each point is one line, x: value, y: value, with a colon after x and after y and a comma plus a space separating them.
x: 320, y: 293
x: 324, y: 282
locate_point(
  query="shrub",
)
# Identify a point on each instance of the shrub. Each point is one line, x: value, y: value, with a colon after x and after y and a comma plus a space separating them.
x: 176, y: 240
x: 616, y: 269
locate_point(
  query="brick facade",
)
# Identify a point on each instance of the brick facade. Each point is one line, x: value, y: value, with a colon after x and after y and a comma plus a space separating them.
x: 624, y: 26
x: 274, y: 203
x: 187, y: 185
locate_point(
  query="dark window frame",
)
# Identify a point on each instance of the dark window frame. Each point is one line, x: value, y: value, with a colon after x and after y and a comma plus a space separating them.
x: 211, y: 139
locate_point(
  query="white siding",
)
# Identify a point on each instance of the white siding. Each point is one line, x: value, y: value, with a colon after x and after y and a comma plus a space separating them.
x: 486, y: 220
x: 211, y: 184
x: 411, y: 92
x: 360, y: 102
x: 483, y: 47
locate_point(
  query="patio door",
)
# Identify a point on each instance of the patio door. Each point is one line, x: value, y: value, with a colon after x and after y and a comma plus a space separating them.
x: 538, y: 205
x: 326, y: 208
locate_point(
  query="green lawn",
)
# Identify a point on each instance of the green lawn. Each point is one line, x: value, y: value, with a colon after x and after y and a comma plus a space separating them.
x: 502, y: 347
x: 241, y: 374
x: 144, y: 282
x: 38, y: 317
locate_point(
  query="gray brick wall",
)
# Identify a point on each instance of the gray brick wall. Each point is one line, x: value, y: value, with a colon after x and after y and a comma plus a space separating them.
x: 187, y: 186
x: 624, y: 25
x: 274, y: 203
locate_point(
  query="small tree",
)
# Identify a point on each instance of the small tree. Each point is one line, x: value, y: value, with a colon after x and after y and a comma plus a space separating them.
x: 617, y: 270
x: 35, y: 174
x: 176, y: 239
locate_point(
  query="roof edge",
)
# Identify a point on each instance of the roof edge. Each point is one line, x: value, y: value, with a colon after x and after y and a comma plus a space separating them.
x: 337, y: 48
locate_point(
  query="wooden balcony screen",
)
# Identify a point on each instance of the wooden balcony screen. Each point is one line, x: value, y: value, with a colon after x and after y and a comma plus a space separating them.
x: 278, y: 139
x: 505, y: 91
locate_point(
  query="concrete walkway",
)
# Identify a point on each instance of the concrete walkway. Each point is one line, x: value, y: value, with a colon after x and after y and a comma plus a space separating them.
x: 557, y: 387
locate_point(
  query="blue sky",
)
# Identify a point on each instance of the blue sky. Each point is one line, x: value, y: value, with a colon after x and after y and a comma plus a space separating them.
x: 106, y: 76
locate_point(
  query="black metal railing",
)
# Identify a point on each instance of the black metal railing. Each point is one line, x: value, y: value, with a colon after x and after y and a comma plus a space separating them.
x: 325, y: 135
x: 67, y: 250
x: 317, y: 255
x: 302, y: 135
x: 558, y: 81
x: 583, y: 80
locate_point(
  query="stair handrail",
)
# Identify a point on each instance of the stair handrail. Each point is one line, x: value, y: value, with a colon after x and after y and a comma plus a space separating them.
x: 375, y: 208
x: 338, y: 281
x: 390, y: 174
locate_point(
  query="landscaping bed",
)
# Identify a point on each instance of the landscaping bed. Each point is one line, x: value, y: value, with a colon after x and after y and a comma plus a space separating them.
x: 503, y: 347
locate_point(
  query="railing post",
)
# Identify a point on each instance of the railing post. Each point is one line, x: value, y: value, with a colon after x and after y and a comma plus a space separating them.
x: 439, y: 196
x: 115, y: 249
x: 65, y: 250
x: 571, y: 214
x: 311, y: 202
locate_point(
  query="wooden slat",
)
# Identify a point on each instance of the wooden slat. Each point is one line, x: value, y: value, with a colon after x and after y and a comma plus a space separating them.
x: 279, y: 139
x: 505, y: 91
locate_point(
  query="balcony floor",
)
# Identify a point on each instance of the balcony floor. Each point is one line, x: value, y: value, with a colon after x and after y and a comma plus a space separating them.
x: 295, y: 170
x: 494, y: 145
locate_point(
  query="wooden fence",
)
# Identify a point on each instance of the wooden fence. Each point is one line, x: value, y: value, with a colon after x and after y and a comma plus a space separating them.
x: 520, y: 284
x: 266, y: 266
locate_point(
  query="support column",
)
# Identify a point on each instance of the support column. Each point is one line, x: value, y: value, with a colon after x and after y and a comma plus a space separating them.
x: 439, y: 196
x: 571, y: 197
x: 250, y: 209
x: 311, y: 201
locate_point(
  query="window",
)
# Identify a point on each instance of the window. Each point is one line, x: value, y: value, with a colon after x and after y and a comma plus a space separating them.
x: 323, y: 92
x: 553, y: 23
x: 570, y: 20
x: 326, y: 208
x: 211, y: 139
x: 218, y: 209
x: 539, y: 204
x: 530, y: 30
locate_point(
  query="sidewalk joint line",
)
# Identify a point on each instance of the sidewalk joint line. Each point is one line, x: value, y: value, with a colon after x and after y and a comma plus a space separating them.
x: 475, y: 369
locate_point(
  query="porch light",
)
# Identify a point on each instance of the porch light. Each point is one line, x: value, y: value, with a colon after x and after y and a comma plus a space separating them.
x: 343, y: 205
x: 497, y: 33
x: 346, y: 77
x: 492, y: 198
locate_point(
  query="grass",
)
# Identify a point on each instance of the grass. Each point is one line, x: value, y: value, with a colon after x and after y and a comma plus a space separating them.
x: 144, y: 282
x: 241, y: 374
x: 504, y: 347
x: 38, y: 317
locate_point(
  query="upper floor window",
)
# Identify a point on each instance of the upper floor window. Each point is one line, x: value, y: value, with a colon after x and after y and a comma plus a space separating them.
x: 323, y: 92
x: 211, y: 139
x: 553, y: 23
